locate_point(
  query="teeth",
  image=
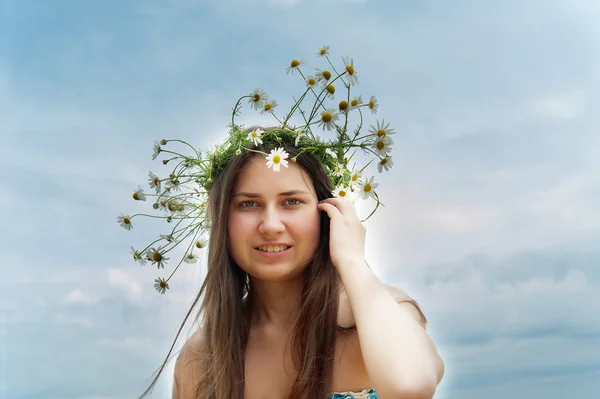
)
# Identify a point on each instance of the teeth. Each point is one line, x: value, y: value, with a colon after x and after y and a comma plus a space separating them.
x: 273, y: 248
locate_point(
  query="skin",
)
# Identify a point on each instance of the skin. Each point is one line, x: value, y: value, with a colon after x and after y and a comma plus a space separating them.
x: 259, y: 214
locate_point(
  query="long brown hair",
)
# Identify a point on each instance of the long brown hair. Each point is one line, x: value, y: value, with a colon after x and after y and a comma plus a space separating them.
x: 226, y: 295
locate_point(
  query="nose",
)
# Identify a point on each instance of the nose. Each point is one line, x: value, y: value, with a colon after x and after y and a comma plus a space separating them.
x: 271, y: 222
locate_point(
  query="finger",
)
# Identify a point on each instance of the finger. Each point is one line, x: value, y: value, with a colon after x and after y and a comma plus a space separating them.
x: 330, y: 209
x: 344, y: 205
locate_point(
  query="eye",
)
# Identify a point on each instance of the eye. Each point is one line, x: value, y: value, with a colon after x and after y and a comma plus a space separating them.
x: 293, y: 201
x: 247, y: 204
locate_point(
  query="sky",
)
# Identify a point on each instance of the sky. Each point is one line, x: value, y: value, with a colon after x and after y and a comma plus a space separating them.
x: 490, y: 221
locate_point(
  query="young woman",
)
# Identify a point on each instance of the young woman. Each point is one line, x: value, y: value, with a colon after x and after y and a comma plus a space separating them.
x: 291, y: 308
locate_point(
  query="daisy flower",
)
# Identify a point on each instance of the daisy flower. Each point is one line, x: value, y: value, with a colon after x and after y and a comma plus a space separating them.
x: 373, y: 105
x: 385, y: 163
x: 311, y: 81
x: 298, y: 135
x: 323, y: 51
x: 255, y: 136
x: 355, y: 176
x: 154, y: 182
x: 330, y: 91
x: 155, y: 256
x: 137, y: 256
x: 161, y: 285
x: 190, y: 258
x: 258, y: 98
x: 350, y: 72
x: 125, y: 222
x: 339, y: 170
x: 328, y: 119
x: 276, y: 158
x: 201, y: 243
x: 168, y: 238
x: 367, y: 187
x: 343, y: 106
x: 294, y: 65
x: 173, y: 183
x: 356, y: 101
x: 382, y: 129
x: 382, y: 145
x: 156, y: 149
x: 139, y: 195
x: 343, y: 192
x: 323, y: 76
x: 269, y: 106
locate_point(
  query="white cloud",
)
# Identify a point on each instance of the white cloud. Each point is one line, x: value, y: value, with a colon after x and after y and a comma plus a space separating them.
x: 123, y: 280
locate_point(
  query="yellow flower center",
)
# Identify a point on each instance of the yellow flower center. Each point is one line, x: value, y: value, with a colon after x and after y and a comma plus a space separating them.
x: 342, y: 193
x: 354, y: 177
x: 254, y: 134
x: 368, y: 188
x: 276, y: 159
x: 126, y: 221
x: 136, y: 196
x: 380, y: 145
x: 295, y: 63
x: 311, y: 81
x: 381, y: 133
x: 331, y: 89
x: 323, y: 51
x: 156, y: 180
x: 326, y: 75
x: 383, y: 161
x: 350, y: 69
x: 326, y: 117
x: 343, y: 105
x: 156, y: 256
x: 256, y: 98
x: 354, y: 102
x: 371, y: 104
x: 163, y: 284
x: 268, y: 106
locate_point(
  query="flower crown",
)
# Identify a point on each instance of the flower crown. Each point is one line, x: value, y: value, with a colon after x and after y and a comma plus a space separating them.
x: 182, y: 196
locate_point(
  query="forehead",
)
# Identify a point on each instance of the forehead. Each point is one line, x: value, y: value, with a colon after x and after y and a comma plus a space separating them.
x: 256, y: 177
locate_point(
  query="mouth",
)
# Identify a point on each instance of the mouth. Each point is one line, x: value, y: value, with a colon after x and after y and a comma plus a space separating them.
x: 273, y: 248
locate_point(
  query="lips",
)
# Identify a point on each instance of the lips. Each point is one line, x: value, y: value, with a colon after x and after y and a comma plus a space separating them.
x: 273, y: 248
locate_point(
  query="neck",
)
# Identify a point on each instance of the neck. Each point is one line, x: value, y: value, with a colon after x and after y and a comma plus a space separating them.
x: 276, y: 303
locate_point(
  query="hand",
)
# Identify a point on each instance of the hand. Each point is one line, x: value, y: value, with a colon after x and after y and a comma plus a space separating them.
x: 347, y: 233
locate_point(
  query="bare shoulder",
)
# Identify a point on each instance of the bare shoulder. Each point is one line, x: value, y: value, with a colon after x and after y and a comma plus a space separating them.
x: 188, y: 367
x: 346, y: 316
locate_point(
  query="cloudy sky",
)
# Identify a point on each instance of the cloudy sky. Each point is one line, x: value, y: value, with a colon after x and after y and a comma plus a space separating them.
x: 491, y: 219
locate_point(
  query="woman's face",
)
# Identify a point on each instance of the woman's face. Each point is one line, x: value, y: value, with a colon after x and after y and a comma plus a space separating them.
x: 273, y: 221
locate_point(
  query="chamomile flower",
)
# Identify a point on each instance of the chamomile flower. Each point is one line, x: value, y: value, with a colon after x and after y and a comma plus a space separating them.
x: 328, y: 118
x: 298, y: 135
x: 356, y: 102
x: 339, y: 170
x: 173, y: 184
x: 386, y: 163
x: 330, y: 91
x: 269, y: 107
x: 311, y: 81
x: 139, y: 195
x: 137, y: 256
x: 156, y: 257
x: 343, y: 192
x: 201, y: 243
x: 366, y: 188
x: 258, y: 98
x: 190, y: 258
x: 343, y: 106
x: 373, y: 105
x: 156, y: 149
x: 161, y: 285
x: 382, y: 145
x: 323, y: 51
x: 168, y: 238
x: 154, y: 182
x: 323, y: 76
x: 276, y: 158
x: 350, y: 72
x: 355, y: 177
x: 294, y: 65
x: 255, y: 136
x: 382, y: 129
x: 125, y: 222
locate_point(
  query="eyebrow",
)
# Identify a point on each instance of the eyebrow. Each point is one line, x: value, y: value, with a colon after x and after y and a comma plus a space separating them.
x: 256, y: 195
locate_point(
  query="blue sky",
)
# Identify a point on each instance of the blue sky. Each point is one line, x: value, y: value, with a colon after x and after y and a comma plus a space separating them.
x: 491, y: 219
